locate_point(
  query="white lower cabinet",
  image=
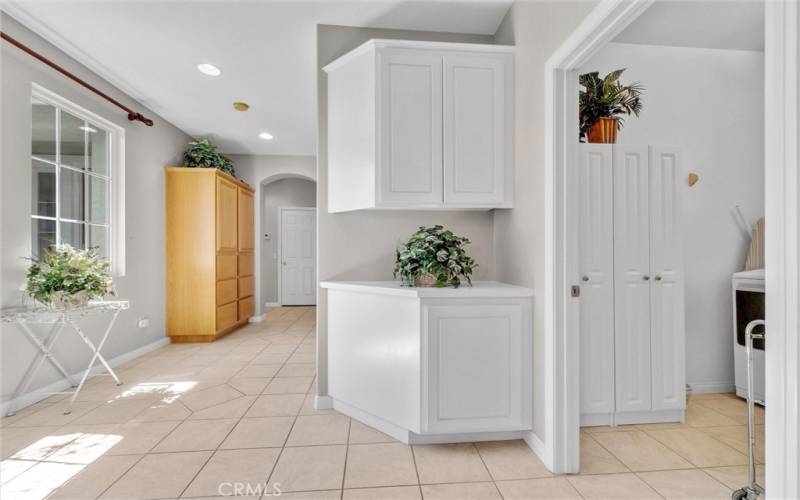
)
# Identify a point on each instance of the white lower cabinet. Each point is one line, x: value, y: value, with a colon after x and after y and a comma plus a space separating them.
x: 432, y: 365
x: 632, y: 310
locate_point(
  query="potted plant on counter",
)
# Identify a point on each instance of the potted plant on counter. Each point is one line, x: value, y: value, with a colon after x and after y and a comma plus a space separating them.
x: 434, y: 256
x: 67, y: 278
x: 203, y: 154
x: 602, y: 104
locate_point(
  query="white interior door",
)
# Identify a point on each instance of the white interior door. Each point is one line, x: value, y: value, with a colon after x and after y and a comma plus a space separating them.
x: 596, y: 266
x: 632, y: 278
x: 666, y: 261
x: 298, y: 256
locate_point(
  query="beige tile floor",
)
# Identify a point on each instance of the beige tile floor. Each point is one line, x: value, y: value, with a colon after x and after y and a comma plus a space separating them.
x: 195, y: 420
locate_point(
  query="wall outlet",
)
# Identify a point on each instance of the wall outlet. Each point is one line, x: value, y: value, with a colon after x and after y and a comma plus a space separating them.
x: 144, y: 322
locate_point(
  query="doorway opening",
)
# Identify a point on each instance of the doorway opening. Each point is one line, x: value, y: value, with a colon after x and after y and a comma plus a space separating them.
x: 287, y: 241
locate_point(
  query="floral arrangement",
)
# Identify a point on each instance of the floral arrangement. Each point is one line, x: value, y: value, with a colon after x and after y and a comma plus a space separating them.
x: 434, y: 256
x: 66, y: 277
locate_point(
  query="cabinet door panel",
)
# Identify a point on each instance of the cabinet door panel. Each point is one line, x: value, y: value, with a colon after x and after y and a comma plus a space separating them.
x: 667, y: 317
x: 226, y: 215
x: 226, y: 266
x: 474, y: 130
x: 632, y: 279
x: 410, y: 123
x: 245, y: 264
x: 245, y: 308
x: 226, y: 291
x: 245, y: 220
x: 596, y: 237
x: 475, y: 368
x: 226, y: 316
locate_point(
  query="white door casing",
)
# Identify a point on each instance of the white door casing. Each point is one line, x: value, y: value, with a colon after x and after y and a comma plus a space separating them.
x: 474, y: 130
x: 597, y: 275
x: 632, y: 279
x: 410, y: 124
x: 667, y: 330
x: 297, y: 256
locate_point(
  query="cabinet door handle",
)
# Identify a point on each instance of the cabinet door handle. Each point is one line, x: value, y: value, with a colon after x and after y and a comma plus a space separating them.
x: 646, y: 277
x: 585, y: 278
x: 658, y: 278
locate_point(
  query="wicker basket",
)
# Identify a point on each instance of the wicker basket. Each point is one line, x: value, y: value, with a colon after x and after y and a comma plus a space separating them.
x: 426, y: 280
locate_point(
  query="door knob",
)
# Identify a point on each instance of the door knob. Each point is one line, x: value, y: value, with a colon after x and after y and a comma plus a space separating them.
x: 585, y: 278
x: 646, y: 277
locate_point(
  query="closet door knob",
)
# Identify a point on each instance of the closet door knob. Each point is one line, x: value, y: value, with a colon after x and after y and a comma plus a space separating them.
x: 646, y: 277
x: 658, y: 278
x: 585, y: 278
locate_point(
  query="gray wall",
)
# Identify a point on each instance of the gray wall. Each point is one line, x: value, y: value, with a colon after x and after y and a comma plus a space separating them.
x: 147, y: 151
x: 537, y: 29
x: 282, y: 193
x: 360, y: 245
x: 727, y: 92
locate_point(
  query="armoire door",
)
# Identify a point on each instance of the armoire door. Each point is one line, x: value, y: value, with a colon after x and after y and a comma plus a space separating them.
x: 597, y: 273
x: 474, y: 130
x: 632, y: 345
x: 245, y: 221
x: 227, y: 203
x: 667, y: 297
x: 410, y: 142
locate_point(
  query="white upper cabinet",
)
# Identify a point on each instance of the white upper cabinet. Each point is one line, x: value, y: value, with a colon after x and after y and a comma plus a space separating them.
x: 420, y: 125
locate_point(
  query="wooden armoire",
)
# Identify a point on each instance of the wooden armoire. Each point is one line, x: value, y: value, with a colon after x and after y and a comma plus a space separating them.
x: 210, y: 240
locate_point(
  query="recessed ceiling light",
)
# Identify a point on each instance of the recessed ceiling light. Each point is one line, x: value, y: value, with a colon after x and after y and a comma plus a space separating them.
x: 209, y: 69
x: 88, y: 129
x: 241, y: 106
x: 266, y: 136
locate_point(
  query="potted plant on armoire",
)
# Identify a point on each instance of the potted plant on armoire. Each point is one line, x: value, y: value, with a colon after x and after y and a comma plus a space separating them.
x: 603, y: 102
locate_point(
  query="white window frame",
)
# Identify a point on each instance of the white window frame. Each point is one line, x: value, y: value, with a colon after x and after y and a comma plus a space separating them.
x: 116, y: 175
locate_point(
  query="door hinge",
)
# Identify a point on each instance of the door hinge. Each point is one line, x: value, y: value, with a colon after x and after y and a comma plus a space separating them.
x: 575, y: 291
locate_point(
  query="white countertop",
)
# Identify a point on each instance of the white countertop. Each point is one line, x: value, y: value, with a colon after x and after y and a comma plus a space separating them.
x: 479, y: 289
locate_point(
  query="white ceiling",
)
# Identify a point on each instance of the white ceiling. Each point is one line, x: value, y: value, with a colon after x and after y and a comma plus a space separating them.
x: 710, y: 24
x: 266, y: 51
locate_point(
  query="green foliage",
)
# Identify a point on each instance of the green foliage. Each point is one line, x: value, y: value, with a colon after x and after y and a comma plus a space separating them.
x: 203, y: 154
x: 437, y: 251
x: 64, y: 272
x: 607, y: 97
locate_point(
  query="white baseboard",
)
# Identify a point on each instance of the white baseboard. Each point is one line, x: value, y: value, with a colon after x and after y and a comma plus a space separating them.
x: 539, y: 449
x: 711, y: 387
x: 257, y: 319
x: 272, y: 304
x: 62, y: 385
x: 323, y: 402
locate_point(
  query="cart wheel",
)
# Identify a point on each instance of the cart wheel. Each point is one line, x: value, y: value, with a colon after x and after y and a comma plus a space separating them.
x: 739, y: 494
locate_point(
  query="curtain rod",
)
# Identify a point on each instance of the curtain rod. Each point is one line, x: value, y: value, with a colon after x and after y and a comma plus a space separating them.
x: 132, y: 115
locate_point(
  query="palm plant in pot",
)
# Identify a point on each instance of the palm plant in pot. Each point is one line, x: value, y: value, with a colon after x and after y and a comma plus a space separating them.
x: 434, y: 256
x: 603, y: 102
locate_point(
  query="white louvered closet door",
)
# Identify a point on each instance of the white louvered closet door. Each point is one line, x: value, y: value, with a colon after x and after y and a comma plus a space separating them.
x: 597, y: 287
x: 667, y: 296
x: 632, y: 278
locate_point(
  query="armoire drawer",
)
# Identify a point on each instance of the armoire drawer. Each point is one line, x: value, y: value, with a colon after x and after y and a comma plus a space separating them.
x: 226, y: 266
x: 246, y: 264
x: 245, y: 308
x: 245, y: 286
x: 226, y: 316
x: 226, y: 291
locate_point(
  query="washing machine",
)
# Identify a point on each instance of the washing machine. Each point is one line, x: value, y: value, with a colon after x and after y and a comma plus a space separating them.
x: 748, y: 304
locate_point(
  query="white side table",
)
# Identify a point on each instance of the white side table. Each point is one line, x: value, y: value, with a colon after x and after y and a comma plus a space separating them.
x: 37, y: 314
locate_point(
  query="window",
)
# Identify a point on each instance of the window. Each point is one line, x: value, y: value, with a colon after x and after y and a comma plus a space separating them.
x: 73, y: 177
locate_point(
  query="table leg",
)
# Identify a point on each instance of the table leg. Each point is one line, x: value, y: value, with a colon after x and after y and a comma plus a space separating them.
x: 95, y: 356
x: 44, y: 354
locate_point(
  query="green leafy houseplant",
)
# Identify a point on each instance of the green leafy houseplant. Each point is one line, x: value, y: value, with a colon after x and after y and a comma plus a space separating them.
x: 606, y: 97
x: 434, y: 255
x: 66, y: 277
x: 203, y: 154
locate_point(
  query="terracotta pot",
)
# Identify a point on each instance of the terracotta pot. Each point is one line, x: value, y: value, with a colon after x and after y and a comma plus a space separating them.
x: 604, y: 131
